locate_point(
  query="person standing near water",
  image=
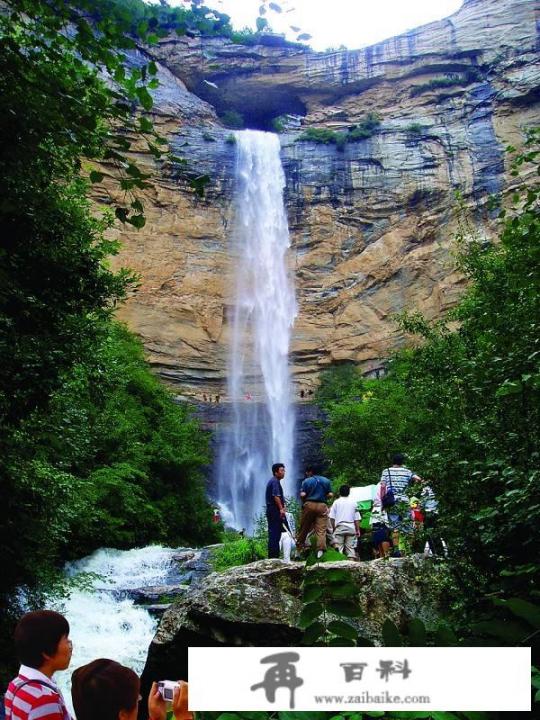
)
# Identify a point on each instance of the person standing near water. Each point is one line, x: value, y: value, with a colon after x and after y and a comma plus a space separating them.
x: 43, y: 647
x: 275, y: 508
x: 345, y: 520
x: 314, y: 493
x: 394, y: 483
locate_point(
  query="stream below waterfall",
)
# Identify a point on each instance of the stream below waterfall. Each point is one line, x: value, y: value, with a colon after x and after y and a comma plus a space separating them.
x: 105, y: 619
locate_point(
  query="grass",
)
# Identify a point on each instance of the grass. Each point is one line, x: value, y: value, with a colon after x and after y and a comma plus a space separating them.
x: 366, y: 128
x: 239, y: 551
x: 473, y: 74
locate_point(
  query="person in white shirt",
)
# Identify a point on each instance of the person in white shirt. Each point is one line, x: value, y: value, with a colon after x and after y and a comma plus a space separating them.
x: 345, y: 520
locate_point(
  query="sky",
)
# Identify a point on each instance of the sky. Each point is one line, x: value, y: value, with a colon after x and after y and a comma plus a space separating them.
x: 331, y: 23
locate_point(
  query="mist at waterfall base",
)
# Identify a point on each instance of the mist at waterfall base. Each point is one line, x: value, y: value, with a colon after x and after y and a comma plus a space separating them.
x: 260, y: 430
x: 104, y: 620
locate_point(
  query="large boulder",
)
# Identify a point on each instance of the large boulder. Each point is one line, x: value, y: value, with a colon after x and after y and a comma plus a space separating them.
x: 260, y: 604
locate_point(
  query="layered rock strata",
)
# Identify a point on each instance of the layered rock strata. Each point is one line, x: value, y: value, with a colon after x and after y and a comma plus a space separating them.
x: 372, y: 223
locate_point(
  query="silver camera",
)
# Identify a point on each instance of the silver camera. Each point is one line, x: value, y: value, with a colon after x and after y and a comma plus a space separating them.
x: 166, y: 689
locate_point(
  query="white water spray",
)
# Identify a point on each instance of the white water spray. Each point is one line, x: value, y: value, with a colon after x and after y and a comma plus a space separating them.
x: 104, y: 621
x: 259, y: 387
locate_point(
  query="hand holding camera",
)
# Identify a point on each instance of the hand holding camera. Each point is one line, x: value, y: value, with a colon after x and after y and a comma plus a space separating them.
x: 169, y: 691
x: 166, y: 689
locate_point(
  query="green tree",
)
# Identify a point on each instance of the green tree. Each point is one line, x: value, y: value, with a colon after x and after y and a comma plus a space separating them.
x: 465, y: 404
x: 368, y: 421
x: 89, y: 441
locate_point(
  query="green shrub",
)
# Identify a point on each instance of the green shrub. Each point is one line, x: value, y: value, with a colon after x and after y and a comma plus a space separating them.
x: 207, y: 137
x: 244, y: 37
x: 238, y: 552
x: 198, y: 19
x: 415, y: 129
x: 230, y: 139
x: 471, y: 75
x: 364, y: 129
x: 341, y: 141
x: 233, y: 119
x: 464, y: 403
x: 323, y: 136
x: 278, y: 124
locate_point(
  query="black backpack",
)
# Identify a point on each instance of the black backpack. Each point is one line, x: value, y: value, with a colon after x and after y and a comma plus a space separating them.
x: 389, y: 498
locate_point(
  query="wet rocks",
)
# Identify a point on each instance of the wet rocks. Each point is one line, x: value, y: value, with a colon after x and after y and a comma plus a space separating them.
x: 154, y: 593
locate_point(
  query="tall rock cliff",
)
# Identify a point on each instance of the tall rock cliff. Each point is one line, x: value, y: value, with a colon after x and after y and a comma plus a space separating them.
x: 372, y: 219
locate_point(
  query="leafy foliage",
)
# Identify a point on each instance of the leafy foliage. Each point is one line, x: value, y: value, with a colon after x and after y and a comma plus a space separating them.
x: 193, y: 18
x: 325, y: 136
x: 278, y: 123
x: 365, y: 128
x: 415, y: 129
x: 238, y: 551
x: 233, y: 119
x: 328, y: 596
x: 364, y: 427
x: 93, y: 450
x: 471, y: 75
x: 114, y: 462
x: 465, y: 404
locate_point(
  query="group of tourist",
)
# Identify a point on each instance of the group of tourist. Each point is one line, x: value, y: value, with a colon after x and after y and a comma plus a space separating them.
x: 339, y: 524
x: 100, y: 690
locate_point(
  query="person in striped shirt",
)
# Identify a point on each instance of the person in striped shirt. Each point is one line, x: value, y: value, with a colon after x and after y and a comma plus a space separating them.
x: 43, y: 647
x: 398, y: 478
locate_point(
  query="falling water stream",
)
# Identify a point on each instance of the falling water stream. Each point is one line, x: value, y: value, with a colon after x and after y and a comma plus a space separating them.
x: 103, y: 616
x: 104, y: 619
x: 261, y: 431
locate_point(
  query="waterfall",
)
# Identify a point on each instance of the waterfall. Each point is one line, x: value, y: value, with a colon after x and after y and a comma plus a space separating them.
x: 261, y: 431
x: 104, y: 620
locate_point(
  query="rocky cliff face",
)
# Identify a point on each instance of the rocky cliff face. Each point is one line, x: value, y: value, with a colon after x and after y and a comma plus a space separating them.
x: 371, y: 222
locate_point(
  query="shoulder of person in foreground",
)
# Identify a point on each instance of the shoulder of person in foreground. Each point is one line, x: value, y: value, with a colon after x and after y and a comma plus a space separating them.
x: 33, y: 699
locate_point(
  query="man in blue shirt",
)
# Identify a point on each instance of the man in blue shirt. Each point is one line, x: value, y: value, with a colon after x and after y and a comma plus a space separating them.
x: 275, y: 509
x: 314, y: 493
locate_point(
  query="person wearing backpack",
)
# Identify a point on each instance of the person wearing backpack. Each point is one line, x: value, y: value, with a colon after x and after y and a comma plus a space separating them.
x: 391, y: 491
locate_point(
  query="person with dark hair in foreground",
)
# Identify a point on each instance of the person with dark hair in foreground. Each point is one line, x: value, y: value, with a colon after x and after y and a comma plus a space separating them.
x: 43, y: 647
x: 106, y: 690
